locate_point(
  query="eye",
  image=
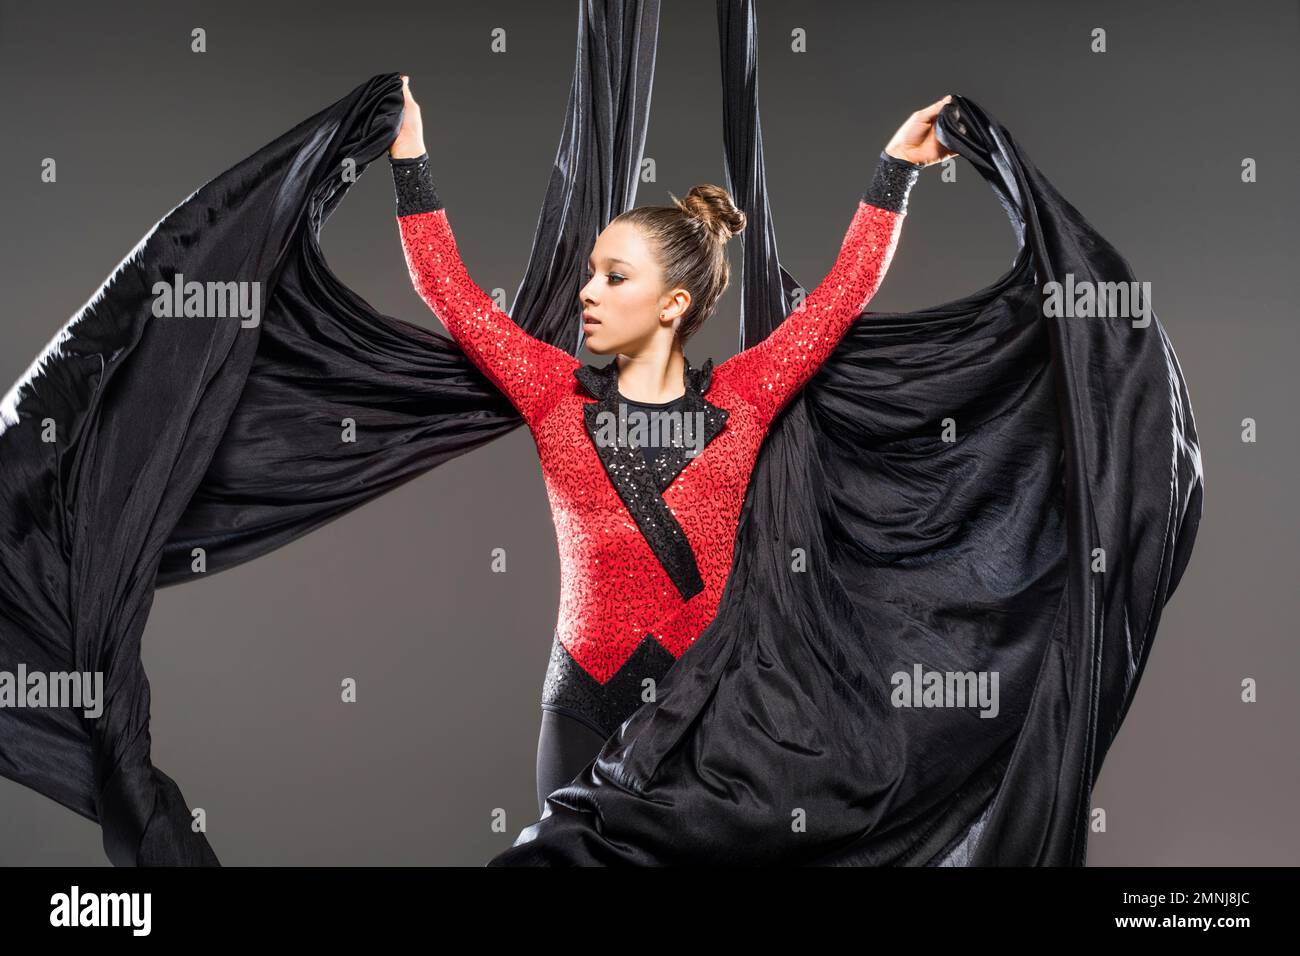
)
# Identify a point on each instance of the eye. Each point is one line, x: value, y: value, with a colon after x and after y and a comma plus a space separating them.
x: 616, y: 278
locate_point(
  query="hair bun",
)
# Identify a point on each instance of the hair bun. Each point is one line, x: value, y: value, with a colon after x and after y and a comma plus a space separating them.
x: 712, y: 205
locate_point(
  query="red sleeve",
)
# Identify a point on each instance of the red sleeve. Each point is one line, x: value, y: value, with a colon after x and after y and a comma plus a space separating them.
x: 769, y: 374
x: 526, y: 369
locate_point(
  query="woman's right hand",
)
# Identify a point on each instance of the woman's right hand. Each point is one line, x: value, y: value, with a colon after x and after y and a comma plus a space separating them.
x: 410, y: 138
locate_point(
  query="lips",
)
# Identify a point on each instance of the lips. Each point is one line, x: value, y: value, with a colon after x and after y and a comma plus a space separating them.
x: 589, y: 320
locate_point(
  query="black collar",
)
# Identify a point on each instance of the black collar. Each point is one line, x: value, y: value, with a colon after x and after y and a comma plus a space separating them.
x: 640, y: 486
x: 599, y: 380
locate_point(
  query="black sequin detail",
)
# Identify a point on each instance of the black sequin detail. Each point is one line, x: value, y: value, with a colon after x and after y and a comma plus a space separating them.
x: 413, y: 184
x: 654, y: 453
x: 603, y: 707
x: 893, y: 180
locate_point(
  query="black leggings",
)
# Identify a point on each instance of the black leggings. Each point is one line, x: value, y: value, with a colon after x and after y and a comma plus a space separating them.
x: 564, y: 746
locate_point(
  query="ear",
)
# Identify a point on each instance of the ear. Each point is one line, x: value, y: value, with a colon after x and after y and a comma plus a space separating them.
x: 678, y: 297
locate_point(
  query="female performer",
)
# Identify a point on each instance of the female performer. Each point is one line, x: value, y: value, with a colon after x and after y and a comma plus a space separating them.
x: 645, y: 516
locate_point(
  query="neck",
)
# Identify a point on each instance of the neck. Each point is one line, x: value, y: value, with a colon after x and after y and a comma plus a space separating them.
x: 652, y: 377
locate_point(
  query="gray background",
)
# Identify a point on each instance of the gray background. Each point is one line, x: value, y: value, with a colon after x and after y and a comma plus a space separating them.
x: 1146, y: 140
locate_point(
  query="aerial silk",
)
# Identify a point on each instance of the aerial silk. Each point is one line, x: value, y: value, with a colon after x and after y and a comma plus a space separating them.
x: 981, y: 488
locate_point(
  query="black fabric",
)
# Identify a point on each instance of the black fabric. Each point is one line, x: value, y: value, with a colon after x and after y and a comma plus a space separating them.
x: 135, y: 440
x: 653, y: 452
x: 565, y: 744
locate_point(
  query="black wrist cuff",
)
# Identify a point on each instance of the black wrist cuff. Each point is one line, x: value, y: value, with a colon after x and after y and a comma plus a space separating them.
x: 893, y: 180
x: 413, y: 184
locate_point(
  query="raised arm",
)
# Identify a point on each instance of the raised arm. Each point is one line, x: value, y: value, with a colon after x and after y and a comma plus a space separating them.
x: 769, y: 373
x: 526, y: 369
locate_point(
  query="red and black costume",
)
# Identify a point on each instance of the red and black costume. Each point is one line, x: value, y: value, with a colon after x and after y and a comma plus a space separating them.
x: 645, y: 544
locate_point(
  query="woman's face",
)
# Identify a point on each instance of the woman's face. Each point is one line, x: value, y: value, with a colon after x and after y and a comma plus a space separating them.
x: 624, y: 294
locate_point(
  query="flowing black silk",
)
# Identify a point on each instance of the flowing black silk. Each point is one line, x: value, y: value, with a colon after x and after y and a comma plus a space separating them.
x: 135, y: 441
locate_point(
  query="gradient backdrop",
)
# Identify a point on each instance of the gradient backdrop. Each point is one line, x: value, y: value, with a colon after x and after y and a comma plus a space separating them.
x: 1146, y: 139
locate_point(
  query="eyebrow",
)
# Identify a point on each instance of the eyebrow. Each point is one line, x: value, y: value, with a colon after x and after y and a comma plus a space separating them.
x: 624, y: 261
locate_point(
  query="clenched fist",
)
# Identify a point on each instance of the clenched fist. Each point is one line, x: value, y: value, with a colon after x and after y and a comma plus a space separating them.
x: 410, y: 138
x: 916, y: 141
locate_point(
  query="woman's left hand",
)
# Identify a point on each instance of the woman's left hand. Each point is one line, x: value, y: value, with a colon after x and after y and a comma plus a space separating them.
x: 409, y: 143
x: 915, y: 140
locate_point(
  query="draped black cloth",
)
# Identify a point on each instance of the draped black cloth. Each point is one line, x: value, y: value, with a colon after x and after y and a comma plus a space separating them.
x: 975, y: 487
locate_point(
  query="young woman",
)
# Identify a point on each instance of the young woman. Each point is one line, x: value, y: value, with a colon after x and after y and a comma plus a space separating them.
x: 645, y: 524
